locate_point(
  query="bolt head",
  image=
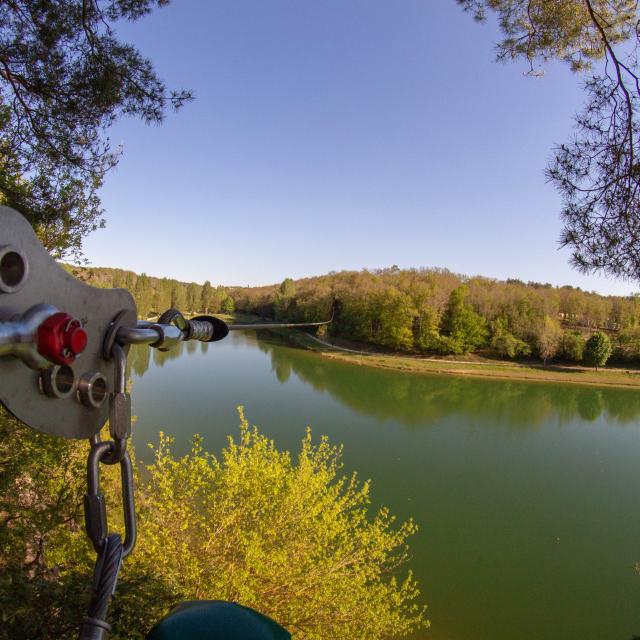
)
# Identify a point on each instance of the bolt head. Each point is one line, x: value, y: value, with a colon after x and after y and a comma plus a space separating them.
x: 61, y: 338
x: 76, y: 339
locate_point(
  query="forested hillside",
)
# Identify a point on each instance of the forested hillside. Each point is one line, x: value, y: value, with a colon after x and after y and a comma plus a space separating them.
x: 155, y: 295
x: 415, y: 310
x: 436, y: 311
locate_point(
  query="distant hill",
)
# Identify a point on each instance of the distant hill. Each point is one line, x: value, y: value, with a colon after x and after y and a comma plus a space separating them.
x: 412, y: 310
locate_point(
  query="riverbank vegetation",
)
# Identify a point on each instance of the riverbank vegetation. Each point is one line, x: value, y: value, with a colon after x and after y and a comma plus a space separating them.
x: 434, y: 311
x: 424, y: 400
x: 619, y: 378
x: 418, y: 311
x: 421, y: 311
x: 289, y: 536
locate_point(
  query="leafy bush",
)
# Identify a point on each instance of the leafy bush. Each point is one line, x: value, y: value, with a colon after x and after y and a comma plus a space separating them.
x: 597, y: 349
x: 45, y: 561
x: 504, y: 343
x: 572, y: 346
x: 294, y: 540
x: 291, y: 539
x: 628, y: 344
x: 464, y: 329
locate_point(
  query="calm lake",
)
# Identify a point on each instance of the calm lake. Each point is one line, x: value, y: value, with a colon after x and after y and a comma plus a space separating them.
x: 527, y: 494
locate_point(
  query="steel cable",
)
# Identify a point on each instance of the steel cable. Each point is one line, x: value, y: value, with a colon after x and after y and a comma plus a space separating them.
x: 105, y: 577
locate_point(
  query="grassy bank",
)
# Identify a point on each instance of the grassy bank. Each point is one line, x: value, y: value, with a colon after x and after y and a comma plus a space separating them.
x: 484, y: 368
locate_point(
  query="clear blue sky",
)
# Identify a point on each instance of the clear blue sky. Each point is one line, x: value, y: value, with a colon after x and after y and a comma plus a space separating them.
x: 338, y: 134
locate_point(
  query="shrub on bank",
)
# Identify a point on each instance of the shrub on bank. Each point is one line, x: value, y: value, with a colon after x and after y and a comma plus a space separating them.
x: 292, y: 538
x: 597, y: 349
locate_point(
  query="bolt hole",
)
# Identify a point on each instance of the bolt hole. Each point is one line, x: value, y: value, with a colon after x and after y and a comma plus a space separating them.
x: 65, y: 379
x: 59, y: 381
x: 13, y: 269
x: 92, y: 390
x: 99, y: 391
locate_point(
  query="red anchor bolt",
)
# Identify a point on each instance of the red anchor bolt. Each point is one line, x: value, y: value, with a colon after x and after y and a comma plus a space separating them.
x: 61, y: 338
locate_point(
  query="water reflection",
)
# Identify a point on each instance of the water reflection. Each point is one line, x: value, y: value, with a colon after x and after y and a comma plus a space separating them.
x: 417, y: 400
x: 525, y: 523
x: 138, y: 360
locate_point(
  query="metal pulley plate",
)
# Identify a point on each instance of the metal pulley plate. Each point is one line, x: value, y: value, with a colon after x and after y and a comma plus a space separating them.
x: 69, y: 399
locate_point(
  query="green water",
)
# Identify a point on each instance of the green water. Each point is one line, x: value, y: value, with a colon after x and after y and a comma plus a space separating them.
x: 527, y: 494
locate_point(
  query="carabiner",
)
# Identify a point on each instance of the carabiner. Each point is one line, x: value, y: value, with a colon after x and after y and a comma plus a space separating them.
x: 94, y: 503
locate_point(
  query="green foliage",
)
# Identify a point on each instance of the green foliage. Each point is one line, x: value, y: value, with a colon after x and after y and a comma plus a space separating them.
x: 628, y: 344
x: 572, y: 346
x: 464, y: 329
x: 228, y: 305
x: 405, y: 310
x: 65, y: 79
x: 193, y: 298
x: 426, y: 329
x: 539, y: 30
x: 293, y: 539
x: 505, y: 343
x: 597, y: 349
x: 221, y: 301
x: 284, y: 299
x: 205, y: 297
x: 44, y: 561
x: 61, y: 206
x: 155, y: 295
x: 178, y: 297
x: 287, y: 288
x: 395, y: 316
x: 549, y: 338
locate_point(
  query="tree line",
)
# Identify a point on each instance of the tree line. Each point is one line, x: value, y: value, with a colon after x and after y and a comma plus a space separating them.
x: 427, y: 311
x: 155, y: 295
x: 439, y: 312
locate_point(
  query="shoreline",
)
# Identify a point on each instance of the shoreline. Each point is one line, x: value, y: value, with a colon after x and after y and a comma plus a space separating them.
x: 612, y: 378
x: 499, y: 370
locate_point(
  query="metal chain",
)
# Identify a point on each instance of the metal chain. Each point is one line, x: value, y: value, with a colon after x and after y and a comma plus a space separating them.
x: 119, y: 407
x: 110, y: 548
